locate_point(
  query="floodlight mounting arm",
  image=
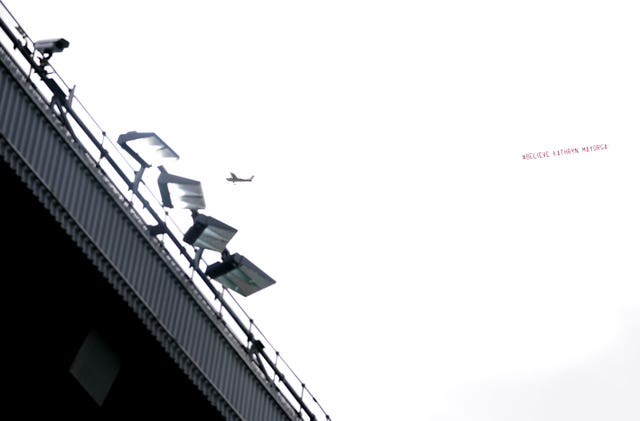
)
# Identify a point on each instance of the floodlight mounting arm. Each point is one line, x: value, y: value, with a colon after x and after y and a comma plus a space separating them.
x: 197, y: 257
x: 159, y: 228
x: 256, y: 348
x: 137, y: 177
x: 124, y: 145
x: 141, y: 170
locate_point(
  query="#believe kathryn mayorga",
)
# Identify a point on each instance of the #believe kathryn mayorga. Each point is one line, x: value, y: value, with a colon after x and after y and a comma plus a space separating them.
x: 566, y: 151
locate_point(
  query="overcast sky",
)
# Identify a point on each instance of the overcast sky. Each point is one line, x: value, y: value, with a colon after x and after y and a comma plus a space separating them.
x: 446, y: 192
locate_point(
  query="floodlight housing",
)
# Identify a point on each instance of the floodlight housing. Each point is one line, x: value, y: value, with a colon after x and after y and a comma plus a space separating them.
x: 180, y: 192
x: 50, y: 46
x: 238, y: 274
x: 146, y: 148
x: 209, y: 233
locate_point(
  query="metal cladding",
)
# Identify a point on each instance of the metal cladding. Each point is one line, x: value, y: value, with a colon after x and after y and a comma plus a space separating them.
x: 38, y: 147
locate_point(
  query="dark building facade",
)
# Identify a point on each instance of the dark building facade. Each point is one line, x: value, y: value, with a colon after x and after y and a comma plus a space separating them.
x: 55, y: 301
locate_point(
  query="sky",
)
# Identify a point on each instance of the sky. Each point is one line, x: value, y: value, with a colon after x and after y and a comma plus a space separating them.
x: 444, y: 192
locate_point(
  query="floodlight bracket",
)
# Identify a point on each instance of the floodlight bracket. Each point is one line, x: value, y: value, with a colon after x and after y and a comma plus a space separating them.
x: 256, y: 346
x: 137, y: 178
x: 58, y: 94
x: 255, y: 349
x: 197, y: 257
x: 157, y: 229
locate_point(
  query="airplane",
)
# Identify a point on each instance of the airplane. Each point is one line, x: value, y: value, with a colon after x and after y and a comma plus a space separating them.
x: 234, y: 178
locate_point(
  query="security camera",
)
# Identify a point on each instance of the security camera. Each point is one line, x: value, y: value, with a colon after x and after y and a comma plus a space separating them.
x: 50, y: 46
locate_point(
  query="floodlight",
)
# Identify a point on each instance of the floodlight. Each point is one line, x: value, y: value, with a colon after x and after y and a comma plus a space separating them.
x: 238, y: 274
x: 209, y: 233
x: 179, y: 191
x: 147, y: 148
x: 50, y: 46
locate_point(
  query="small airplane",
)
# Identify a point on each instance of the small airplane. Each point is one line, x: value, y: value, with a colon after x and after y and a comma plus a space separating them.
x: 234, y: 178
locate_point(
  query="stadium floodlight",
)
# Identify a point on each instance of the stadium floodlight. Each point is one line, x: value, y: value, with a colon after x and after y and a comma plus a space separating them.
x: 209, y: 233
x: 180, y: 192
x: 146, y: 148
x: 238, y: 274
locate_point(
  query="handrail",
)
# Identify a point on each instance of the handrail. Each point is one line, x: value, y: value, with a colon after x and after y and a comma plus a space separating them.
x: 62, y: 101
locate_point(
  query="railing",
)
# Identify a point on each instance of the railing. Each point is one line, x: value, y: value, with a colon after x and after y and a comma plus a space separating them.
x: 106, y: 156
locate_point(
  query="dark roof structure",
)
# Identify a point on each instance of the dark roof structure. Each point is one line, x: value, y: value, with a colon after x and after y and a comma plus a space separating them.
x: 104, y: 319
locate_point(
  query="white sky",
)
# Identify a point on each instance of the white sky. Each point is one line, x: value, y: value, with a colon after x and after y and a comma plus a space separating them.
x: 424, y: 269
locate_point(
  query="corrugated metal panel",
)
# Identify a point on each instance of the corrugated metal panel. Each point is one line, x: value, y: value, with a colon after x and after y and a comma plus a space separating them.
x: 75, y: 192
